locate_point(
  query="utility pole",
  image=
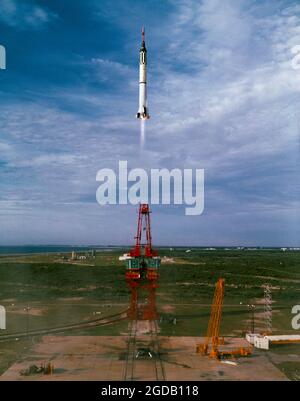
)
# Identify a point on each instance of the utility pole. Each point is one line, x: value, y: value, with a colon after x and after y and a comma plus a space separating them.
x: 252, y: 311
x: 27, y: 318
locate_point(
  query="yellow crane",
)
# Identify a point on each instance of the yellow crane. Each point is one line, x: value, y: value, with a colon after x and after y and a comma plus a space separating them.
x: 213, y: 340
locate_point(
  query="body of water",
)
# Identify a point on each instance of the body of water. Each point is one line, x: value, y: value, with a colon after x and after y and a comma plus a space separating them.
x: 24, y: 250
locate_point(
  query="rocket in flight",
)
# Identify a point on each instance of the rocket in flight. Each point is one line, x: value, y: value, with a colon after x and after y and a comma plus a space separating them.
x: 143, y: 112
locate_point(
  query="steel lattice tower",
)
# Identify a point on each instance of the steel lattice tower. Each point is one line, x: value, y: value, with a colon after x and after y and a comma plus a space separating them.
x: 268, y: 307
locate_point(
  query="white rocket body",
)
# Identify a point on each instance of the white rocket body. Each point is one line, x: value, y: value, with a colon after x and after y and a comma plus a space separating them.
x: 143, y: 112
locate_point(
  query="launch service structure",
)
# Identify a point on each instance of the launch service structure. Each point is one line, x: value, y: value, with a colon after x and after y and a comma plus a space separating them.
x: 142, y: 275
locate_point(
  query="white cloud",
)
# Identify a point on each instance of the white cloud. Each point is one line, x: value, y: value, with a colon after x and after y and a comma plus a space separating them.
x: 50, y: 160
x: 23, y: 16
x: 220, y: 93
x: 4, y: 147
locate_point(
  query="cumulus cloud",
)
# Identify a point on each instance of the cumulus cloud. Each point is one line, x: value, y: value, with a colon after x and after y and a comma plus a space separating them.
x: 22, y: 16
x: 108, y: 69
x: 218, y: 96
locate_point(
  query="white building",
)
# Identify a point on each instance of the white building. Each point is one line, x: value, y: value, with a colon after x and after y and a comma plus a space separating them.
x: 2, y: 318
x: 264, y: 342
x: 125, y: 257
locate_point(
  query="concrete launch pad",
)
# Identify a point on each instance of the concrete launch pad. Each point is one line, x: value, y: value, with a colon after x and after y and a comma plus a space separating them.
x: 102, y: 358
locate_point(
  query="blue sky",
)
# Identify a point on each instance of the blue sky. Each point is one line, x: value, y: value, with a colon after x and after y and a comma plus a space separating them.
x: 223, y: 96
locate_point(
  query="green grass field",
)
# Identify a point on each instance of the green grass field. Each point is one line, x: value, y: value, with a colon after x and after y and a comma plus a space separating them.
x: 43, y: 291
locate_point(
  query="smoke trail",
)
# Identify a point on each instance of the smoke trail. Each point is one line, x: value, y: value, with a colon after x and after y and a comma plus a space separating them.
x: 143, y: 134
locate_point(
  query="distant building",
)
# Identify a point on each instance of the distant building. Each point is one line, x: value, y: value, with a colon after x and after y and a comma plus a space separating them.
x: 75, y: 256
x: 124, y: 257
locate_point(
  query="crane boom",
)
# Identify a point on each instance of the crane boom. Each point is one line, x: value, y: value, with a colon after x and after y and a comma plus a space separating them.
x: 213, y: 332
x: 213, y: 339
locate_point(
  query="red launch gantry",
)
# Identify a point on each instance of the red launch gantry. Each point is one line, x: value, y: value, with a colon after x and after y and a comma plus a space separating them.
x: 142, y: 270
x: 144, y: 216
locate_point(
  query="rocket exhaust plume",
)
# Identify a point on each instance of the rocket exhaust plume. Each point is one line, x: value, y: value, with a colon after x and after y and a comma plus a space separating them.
x: 143, y: 134
x: 143, y: 112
